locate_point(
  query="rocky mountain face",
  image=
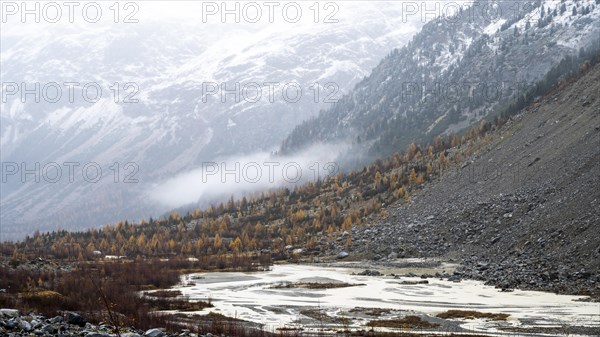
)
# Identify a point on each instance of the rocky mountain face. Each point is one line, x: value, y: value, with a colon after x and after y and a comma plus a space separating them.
x: 522, y: 213
x: 454, y: 72
x: 161, y: 111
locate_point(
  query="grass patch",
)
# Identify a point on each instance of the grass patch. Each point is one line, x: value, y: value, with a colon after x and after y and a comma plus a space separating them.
x: 376, y: 312
x: 165, y: 293
x: 43, y: 298
x: 218, y: 324
x: 146, y: 287
x: 471, y: 314
x: 410, y: 282
x: 289, y: 328
x: 407, y: 322
x: 42, y: 294
x: 321, y: 316
x: 178, y: 304
x: 315, y: 285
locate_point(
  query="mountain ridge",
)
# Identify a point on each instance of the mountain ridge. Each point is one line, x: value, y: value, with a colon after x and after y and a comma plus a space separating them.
x: 398, y: 103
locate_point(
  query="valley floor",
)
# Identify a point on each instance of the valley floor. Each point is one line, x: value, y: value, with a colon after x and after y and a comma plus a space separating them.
x: 388, y: 298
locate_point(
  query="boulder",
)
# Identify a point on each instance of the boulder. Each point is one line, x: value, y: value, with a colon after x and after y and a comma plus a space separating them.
x: 342, y: 255
x: 11, y: 323
x: 154, y: 333
x: 25, y: 326
x: 75, y: 319
x: 130, y: 334
x: 369, y: 272
x: 9, y: 313
x: 49, y: 329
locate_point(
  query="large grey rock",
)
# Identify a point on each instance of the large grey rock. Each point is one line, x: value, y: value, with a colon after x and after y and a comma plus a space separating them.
x: 24, y: 325
x: 11, y: 323
x: 154, y: 333
x: 342, y: 255
x: 76, y: 319
x: 369, y: 272
x: 50, y: 329
x: 97, y: 334
x: 130, y: 334
x: 8, y: 313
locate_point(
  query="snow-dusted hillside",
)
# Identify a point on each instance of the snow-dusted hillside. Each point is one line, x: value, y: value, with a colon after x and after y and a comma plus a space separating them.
x: 453, y: 73
x: 166, y: 63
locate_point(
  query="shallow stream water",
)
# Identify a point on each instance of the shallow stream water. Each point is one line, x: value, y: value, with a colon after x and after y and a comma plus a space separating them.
x: 255, y: 297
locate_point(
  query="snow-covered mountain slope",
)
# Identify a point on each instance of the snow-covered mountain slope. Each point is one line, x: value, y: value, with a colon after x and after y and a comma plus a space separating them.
x: 454, y: 72
x: 171, y: 64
